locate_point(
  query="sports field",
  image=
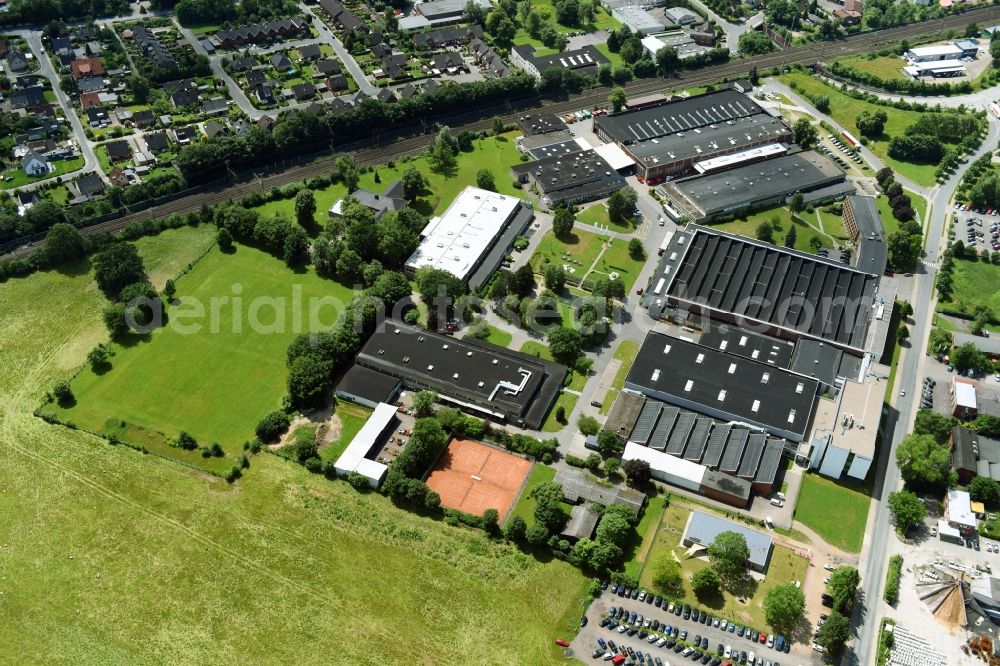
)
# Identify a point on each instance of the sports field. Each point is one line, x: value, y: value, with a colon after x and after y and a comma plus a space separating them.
x: 216, y: 382
x: 115, y: 557
x: 474, y: 477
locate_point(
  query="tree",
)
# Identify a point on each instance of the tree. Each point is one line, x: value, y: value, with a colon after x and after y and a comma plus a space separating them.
x: 923, y: 463
x: 139, y: 86
x: 783, y: 607
x: 563, y: 219
x: 63, y: 392
x: 565, y: 344
x: 309, y: 381
x: 98, y: 358
x: 822, y: 103
x: 987, y: 424
x: 667, y: 576
x: 555, y: 277
x: 117, y: 266
x: 667, y: 60
x: 728, y: 554
x: 491, y: 521
x: 765, y: 232
x: 498, y: 126
x: 516, y: 529
x: 442, y: 151
x: 611, y: 466
x: 588, y: 425
x: 805, y: 133
x: 903, y: 249
x: 413, y: 183
x: 561, y: 414
x: 637, y: 471
x: 485, y: 181
x: 986, y: 490
x: 434, y: 283
x: 609, y: 444
x: 902, y: 334
x: 115, y: 320
x: 907, y: 509
x: 537, y: 535
x: 617, y: 99
x: 706, y: 583
x: 815, y: 243
x: 225, y: 240
x: 169, y: 290
x: 790, y: 237
x: 64, y: 242
x: 967, y: 357
x: 423, y: 403
x: 621, y: 205
x: 346, y: 171
x: 929, y: 422
x: 796, y: 202
x: 843, y: 587
x: 753, y: 42
x: 636, y: 250
x: 834, y: 633
x: 272, y: 426
x: 185, y: 441
x: 305, y: 208
x: 548, y: 506
x: 871, y: 123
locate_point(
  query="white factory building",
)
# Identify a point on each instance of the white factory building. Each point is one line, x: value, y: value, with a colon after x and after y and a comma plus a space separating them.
x: 932, y: 53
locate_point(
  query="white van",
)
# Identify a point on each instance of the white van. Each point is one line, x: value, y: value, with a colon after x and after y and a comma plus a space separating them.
x: 777, y: 502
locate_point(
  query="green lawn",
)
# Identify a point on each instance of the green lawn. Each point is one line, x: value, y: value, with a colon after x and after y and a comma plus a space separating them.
x: 525, y: 506
x: 21, y: 179
x: 836, y: 512
x: 351, y: 417
x: 576, y: 380
x: 567, y: 401
x: 59, y: 195
x: 597, y: 215
x: 577, y: 253
x: 616, y: 259
x: 884, y: 67
x: 844, y: 109
x: 167, y: 253
x: 644, y: 535
x: 197, y: 372
x: 975, y: 283
x: 498, y: 337
x: 889, y: 223
x: 625, y: 353
x: 831, y: 223
x: 325, y: 198
x: 781, y: 217
x: 139, y: 560
x: 785, y: 566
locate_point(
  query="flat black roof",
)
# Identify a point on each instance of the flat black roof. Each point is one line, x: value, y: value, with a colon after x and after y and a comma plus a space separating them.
x: 872, y: 255
x: 677, y: 116
x: 747, y: 185
x: 757, y: 282
x: 741, y: 342
x: 511, y: 383
x: 368, y: 384
x: 556, y: 149
x: 579, y: 171
x: 722, y: 385
x: 814, y: 358
x: 540, y: 123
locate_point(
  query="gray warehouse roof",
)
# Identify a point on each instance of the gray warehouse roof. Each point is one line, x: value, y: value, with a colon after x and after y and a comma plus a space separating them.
x: 578, y: 171
x: 730, y: 137
x: 678, y: 115
x: 477, y: 372
x: 873, y: 254
x: 721, y: 385
x: 745, y: 186
x: 746, y: 343
x: 703, y: 528
x: 773, y: 286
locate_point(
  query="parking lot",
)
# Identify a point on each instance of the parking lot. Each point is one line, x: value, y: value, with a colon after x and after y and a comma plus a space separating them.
x: 586, y: 642
x: 977, y: 229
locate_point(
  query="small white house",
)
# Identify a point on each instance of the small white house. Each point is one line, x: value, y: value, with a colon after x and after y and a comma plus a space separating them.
x: 35, y: 165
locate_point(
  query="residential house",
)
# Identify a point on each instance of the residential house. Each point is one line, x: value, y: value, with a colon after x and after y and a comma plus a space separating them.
x: 98, y: 116
x: 264, y: 122
x: 339, y: 105
x: 488, y: 59
x: 156, y: 142
x: 16, y: 61
x: 25, y: 200
x: 342, y: 17
x: 91, y: 84
x: 255, y: 78
x: 431, y: 85
x: 178, y: 85
x: 61, y: 45
x: 35, y: 165
x: 327, y: 67
x: 309, y: 52
x: 450, y: 36
x: 90, y: 99
x: 89, y: 185
x: 257, y: 33
x: 242, y: 126
x: 214, y: 128
x: 337, y: 83
x: 185, y: 135
x: 281, y: 62
x: 4, y: 48
x: 23, y: 99
x: 304, y: 91
x: 118, y: 177
x: 449, y: 61
x: 85, y: 67
x: 216, y: 106
x: 408, y: 91
x: 118, y: 151
x: 242, y: 64
x: 265, y: 94
x: 151, y: 47
x: 143, y: 119
x: 385, y: 95
x: 184, y: 98
x: 380, y: 50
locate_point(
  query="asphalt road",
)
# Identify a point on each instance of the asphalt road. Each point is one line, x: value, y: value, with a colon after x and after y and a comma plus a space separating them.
x: 908, y: 377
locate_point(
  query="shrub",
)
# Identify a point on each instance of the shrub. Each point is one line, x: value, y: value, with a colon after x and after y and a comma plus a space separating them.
x: 272, y: 426
x: 358, y: 481
x: 891, y: 593
x: 63, y: 392
x: 185, y: 441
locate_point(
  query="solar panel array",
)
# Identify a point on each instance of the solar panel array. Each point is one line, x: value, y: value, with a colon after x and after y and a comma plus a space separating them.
x: 764, y: 283
x: 720, y: 446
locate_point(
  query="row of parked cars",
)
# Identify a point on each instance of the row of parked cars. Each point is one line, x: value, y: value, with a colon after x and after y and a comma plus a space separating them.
x: 927, y: 397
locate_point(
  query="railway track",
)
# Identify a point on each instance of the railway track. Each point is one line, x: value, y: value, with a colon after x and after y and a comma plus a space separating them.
x: 409, y: 141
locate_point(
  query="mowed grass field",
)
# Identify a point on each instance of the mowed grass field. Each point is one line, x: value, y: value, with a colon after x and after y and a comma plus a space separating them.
x: 217, y: 382
x: 885, y: 67
x: 836, y: 512
x: 111, y: 556
x: 785, y: 566
x: 975, y: 283
x: 845, y: 109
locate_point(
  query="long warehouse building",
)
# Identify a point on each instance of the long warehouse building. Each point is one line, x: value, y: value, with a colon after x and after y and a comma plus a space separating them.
x: 669, y: 139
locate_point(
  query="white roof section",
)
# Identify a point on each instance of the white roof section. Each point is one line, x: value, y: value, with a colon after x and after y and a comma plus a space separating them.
x: 677, y: 471
x: 413, y: 22
x: 934, y: 66
x: 965, y: 394
x: 726, y: 161
x: 614, y: 155
x: 637, y: 19
x: 934, y: 51
x: 456, y: 240
x: 944, y: 529
x: 354, y: 459
x: 960, y: 509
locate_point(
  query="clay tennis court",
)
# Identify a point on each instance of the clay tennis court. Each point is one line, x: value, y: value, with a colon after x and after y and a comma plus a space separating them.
x: 473, y: 477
